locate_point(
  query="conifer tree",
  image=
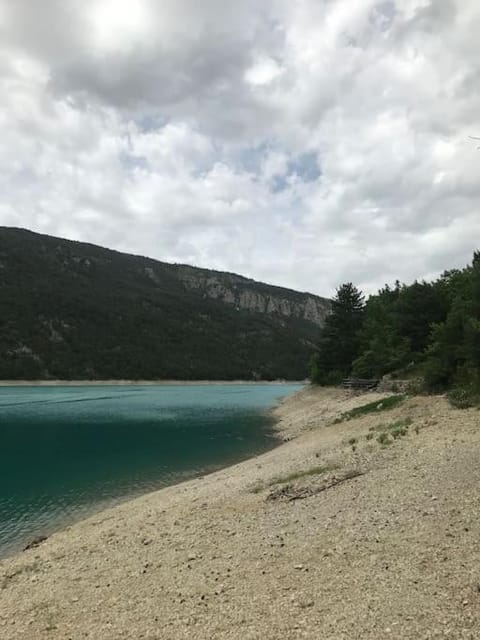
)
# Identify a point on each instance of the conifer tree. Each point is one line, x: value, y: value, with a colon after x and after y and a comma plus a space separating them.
x: 339, y: 340
x: 453, y: 357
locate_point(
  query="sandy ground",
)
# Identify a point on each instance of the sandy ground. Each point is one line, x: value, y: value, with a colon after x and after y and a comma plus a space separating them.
x: 249, y: 553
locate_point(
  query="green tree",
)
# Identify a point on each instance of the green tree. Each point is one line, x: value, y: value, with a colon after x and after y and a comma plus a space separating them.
x: 339, y: 340
x: 446, y: 355
x: 418, y: 307
x: 453, y: 357
x: 383, y: 350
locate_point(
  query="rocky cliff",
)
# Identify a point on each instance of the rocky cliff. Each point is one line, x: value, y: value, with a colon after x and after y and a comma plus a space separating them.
x: 258, y: 297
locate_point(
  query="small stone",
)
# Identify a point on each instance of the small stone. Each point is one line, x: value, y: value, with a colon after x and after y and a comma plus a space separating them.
x: 304, y: 604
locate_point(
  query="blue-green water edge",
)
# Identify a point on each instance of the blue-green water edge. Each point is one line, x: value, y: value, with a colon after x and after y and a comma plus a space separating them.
x: 67, y: 451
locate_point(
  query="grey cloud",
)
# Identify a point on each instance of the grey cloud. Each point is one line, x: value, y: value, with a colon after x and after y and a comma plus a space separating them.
x: 191, y: 50
x: 437, y: 14
x: 325, y: 141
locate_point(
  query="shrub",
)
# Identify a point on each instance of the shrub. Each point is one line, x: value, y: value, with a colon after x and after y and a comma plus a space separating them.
x: 384, y: 438
x: 462, y: 398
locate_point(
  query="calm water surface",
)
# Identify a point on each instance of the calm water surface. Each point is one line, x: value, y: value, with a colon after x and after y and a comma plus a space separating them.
x: 66, y: 451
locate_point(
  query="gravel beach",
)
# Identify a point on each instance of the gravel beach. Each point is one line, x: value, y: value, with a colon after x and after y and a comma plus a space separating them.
x: 351, y: 529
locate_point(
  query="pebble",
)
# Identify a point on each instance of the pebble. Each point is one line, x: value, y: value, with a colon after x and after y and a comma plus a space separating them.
x: 305, y: 604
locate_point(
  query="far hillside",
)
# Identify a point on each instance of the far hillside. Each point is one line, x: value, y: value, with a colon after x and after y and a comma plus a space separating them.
x: 70, y: 310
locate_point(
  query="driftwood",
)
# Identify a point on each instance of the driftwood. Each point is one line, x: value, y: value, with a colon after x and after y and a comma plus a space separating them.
x: 289, y: 492
x: 35, y: 542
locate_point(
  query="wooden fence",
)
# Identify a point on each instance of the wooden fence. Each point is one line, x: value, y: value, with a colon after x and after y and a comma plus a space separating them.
x: 359, y: 383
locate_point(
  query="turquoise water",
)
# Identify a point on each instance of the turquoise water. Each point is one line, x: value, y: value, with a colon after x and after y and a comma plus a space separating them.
x: 67, y: 451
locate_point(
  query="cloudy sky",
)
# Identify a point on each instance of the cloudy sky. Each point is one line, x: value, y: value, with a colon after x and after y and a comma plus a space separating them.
x: 300, y: 142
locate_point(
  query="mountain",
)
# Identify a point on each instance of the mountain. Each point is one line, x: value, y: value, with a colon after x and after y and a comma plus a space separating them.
x: 71, y: 310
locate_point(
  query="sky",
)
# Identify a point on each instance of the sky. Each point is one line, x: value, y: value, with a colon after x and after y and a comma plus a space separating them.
x: 304, y: 143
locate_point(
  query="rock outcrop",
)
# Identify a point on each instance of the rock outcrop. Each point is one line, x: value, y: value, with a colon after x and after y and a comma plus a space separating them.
x: 258, y: 297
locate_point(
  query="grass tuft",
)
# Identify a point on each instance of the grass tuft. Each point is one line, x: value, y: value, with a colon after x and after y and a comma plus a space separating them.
x: 384, y: 438
x: 394, y: 430
x: 296, y: 475
x: 372, y: 407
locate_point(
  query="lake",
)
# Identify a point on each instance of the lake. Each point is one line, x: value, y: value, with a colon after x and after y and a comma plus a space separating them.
x: 68, y: 451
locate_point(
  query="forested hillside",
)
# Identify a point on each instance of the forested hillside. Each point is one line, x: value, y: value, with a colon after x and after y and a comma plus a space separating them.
x: 427, y: 329
x: 71, y: 310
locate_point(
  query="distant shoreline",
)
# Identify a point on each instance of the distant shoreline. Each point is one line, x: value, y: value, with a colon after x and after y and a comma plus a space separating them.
x: 142, y: 383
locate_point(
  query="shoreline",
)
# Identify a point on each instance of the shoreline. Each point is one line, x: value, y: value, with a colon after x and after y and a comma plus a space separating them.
x: 278, y: 435
x: 61, y: 524
x: 143, y: 383
x: 331, y: 535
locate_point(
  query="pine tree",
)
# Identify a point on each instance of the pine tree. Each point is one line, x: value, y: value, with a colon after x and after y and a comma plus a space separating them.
x: 418, y: 307
x: 383, y: 350
x: 339, y: 341
x: 453, y: 357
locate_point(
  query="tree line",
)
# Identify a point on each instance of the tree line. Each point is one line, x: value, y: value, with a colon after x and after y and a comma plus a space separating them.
x: 429, y: 330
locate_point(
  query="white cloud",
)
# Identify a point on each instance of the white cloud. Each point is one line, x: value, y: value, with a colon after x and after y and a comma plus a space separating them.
x: 303, y: 143
x: 119, y: 24
x: 263, y: 71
